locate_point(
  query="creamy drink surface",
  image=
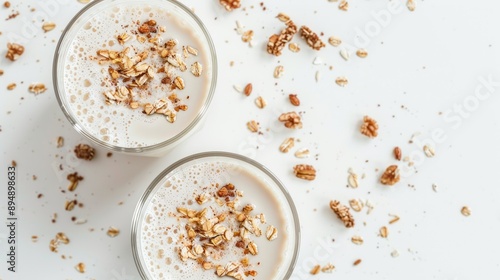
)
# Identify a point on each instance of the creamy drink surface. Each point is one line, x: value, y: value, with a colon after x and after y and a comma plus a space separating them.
x: 159, y: 230
x: 85, y: 80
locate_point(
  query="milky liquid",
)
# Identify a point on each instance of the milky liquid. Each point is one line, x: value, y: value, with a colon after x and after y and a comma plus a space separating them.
x: 159, y: 232
x: 117, y: 124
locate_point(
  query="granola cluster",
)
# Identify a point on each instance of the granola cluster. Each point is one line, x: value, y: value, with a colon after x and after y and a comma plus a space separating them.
x: 14, y: 51
x: 276, y: 42
x: 209, y: 232
x: 311, y: 38
x: 291, y: 120
x: 342, y: 213
x: 133, y: 70
x: 84, y: 151
x: 391, y: 176
x: 369, y: 127
x: 230, y: 5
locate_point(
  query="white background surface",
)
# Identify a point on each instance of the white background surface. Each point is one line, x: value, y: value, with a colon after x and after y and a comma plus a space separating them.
x: 419, y: 64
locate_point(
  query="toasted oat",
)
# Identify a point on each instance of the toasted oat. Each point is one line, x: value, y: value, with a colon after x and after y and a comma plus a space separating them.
x: 253, y: 126
x: 247, y: 36
x: 465, y: 211
x: 344, y: 5
x: 302, y: 153
x: 278, y: 71
x: 304, y: 171
x: 294, y: 99
x: 369, y: 127
x: 48, y: 26
x: 411, y: 5
x: 287, y: 144
x: 70, y: 205
x: 283, y: 17
x: 248, y: 89
x: 74, y: 179
x: 179, y: 83
x: 260, y: 102
x: 252, y: 248
x: 291, y: 120
x: 113, y: 232
x: 60, y: 142
x: 316, y: 269
x: 328, y: 268
x: 342, y: 213
x: 352, y: 179
x: 362, y: 53
x: 397, y: 153
x: 37, y: 88
x: 14, y: 51
x: 391, y: 176
x: 356, y: 205
x: 311, y: 38
x: 84, y: 151
x: 294, y: 47
x: 11, y: 86
x: 277, y: 42
x: 80, y: 267
x: 341, y: 81
x: 196, y: 69
x: 429, y: 151
x: 230, y: 5
x: 358, y: 240
x: 384, y: 232
x: 334, y: 41
x: 271, y: 233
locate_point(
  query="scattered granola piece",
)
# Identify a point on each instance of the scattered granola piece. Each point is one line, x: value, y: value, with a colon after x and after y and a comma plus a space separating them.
x: 328, y: 268
x: 356, y: 262
x: 34, y: 238
x: 334, y: 41
x: 395, y: 254
x: 311, y: 38
x: 302, y: 153
x: 1, y: 72
x: 271, y: 233
x: 356, y: 205
x: 391, y: 175
x: 6, y: 4
x: 48, y: 26
x: 247, y: 36
x: 230, y: 5
x: 316, y: 269
x: 294, y: 99
x: 84, y: 151
x: 344, y: 5
x: 344, y: 53
x: 352, y: 179
x: 287, y: 144
x: 196, y: 69
x: 358, y: 240
x: 11, y: 86
x: 435, y: 187
x: 283, y: 17
x: 362, y: 53
x: 80, y: 267
x: 277, y: 42
x: 113, y: 232
x: 369, y: 127
x: 411, y: 5
x: 37, y: 88
x: 341, y: 81
x: 294, y: 47
x: 429, y: 151
x: 278, y: 71
x: 248, y: 89
x: 304, y: 171
x: 394, y: 219
x: 384, y: 232
x: 342, y: 213
x: 465, y: 211
x: 14, y: 51
x: 253, y: 126
x: 397, y: 153
x: 70, y: 205
x: 291, y: 120
x: 260, y: 102
x: 74, y: 179
x: 60, y: 142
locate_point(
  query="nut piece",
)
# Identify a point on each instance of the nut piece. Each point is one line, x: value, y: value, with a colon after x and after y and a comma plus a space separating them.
x: 369, y: 127
x: 390, y: 176
x: 356, y: 262
x: 248, y: 89
x: 37, y: 88
x: 277, y: 42
x: 342, y: 213
x: 334, y: 41
x: 253, y: 126
x: 311, y: 38
x: 14, y: 51
x: 287, y: 144
x: 304, y: 171
x: 260, y: 102
x: 465, y: 211
x: 397, y: 153
x: 11, y: 86
x: 384, y: 232
x: 80, y: 267
x: 84, y: 151
x: 113, y: 232
x: 291, y: 120
x: 362, y: 53
x: 341, y: 81
x: 230, y: 5
x: 48, y: 26
x: 294, y: 99
x: 316, y: 269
